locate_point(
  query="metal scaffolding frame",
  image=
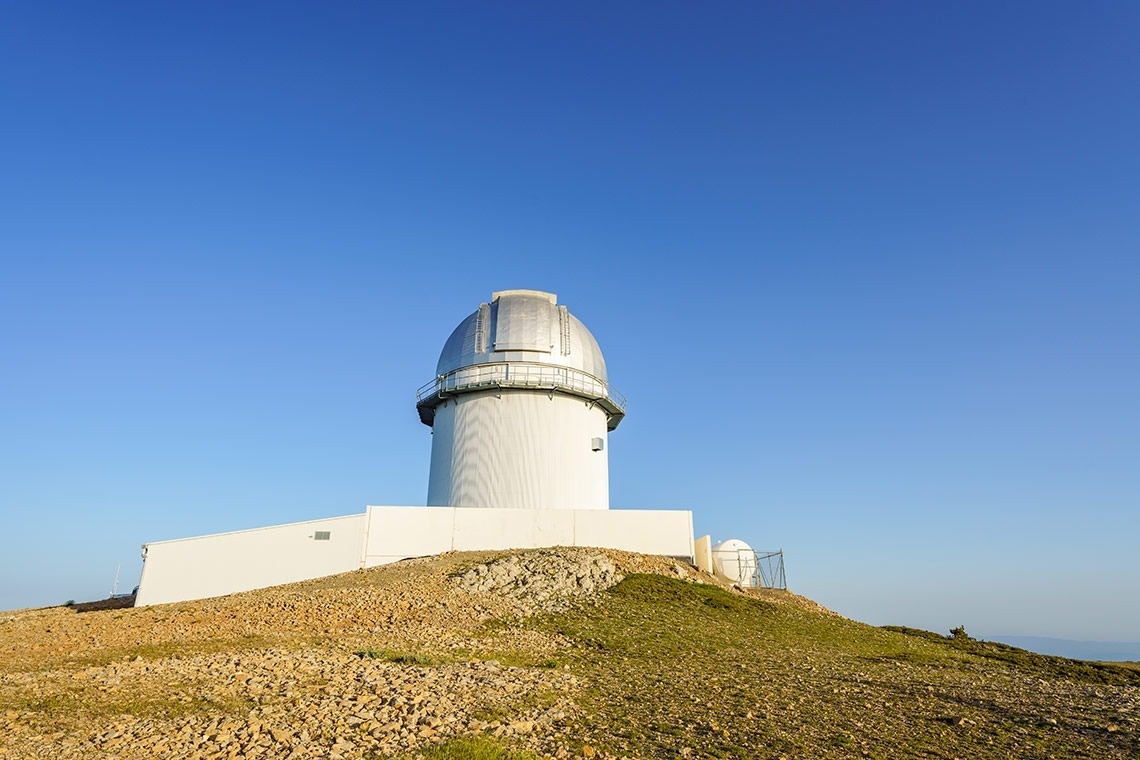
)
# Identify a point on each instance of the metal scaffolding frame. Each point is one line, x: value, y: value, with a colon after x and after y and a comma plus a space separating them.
x: 761, y: 569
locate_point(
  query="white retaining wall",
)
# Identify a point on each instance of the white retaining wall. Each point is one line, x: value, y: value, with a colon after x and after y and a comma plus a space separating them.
x: 395, y: 533
x: 225, y: 563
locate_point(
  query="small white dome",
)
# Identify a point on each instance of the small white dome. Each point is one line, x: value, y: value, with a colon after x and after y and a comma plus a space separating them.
x: 736, y: 560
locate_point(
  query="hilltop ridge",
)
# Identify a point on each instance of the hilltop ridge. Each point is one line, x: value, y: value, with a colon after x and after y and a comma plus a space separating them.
x: 556, y: 652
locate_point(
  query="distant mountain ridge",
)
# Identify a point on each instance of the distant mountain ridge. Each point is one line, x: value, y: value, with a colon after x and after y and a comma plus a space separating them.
x: 1112, y: 651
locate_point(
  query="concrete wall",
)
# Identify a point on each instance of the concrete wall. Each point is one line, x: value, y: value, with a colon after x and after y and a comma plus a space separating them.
x: 225, y: 563
x: 395, y: 533
x: 702, y: 554
x: 518, y: 449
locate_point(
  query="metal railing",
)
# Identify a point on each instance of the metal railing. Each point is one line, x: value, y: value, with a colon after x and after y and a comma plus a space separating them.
x: 770, y: 570
x: 755, y: 569
x: 521, y: 375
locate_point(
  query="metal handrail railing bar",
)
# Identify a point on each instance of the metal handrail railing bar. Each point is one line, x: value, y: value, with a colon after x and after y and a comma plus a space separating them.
x: 520, y: 374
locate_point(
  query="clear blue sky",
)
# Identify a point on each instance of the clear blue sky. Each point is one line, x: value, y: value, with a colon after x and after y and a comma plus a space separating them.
x: 867, y: 272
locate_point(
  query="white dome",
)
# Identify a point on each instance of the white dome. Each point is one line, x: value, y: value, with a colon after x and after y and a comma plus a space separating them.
x: 735, y: 560
x: 732, y: 545
x: 520, y: 410
x: 525, y: 341
x: 522, y: 326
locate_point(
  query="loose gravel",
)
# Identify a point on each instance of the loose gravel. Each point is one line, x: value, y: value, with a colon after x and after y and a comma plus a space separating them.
x: 367, y: 663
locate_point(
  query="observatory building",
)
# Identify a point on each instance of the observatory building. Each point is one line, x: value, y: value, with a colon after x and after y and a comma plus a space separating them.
x: 520, y: 411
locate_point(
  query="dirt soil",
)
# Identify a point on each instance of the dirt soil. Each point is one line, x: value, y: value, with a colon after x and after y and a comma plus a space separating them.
x: 595, y: 659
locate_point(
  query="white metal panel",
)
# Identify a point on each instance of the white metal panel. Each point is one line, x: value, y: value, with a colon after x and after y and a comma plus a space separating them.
x: 205, y: 566
x: 409, y: 531
x: 656, y: 531
x: 519, y: 450
x: 393, y: 529
x: 702, y: 554
x: 577, y: 347
x: 551, y: 298
x: 523, y: 323
x: 584, y: 352
x: 442, y: 449
x: 225, y: 563
x: 512, y: 528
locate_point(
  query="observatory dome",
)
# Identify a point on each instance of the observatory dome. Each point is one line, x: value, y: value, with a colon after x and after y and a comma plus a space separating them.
x: 520, y: 409
x: 522, y: 326
x: 522, y: 339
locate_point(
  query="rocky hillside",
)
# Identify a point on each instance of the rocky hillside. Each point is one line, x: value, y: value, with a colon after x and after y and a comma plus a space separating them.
x: 546, y: 653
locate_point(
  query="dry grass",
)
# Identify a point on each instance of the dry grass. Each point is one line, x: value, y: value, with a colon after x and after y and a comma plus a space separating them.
x: 665, y: 667
x: 676, y: 667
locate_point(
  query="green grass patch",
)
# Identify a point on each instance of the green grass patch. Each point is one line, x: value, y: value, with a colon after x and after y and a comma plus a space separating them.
x: 147, y: 707
x: 53, y: 704
x: 400, y: 658
x: 474, y: 747
x: 540, y: 700
x: 77, y: 708
x: 506, y: 657
x: 668, y: 665
x: 1057, y: 667
x: 161, y: 651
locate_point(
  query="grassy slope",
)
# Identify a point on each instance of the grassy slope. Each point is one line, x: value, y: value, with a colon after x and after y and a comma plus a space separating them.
x: 681, y: 669
x: 675, y: 665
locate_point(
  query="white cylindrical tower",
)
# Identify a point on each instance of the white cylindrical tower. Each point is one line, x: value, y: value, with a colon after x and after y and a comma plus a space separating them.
x: 520, y: 409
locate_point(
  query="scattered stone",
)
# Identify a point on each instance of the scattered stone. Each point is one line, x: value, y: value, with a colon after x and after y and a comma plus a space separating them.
x: 383, y: 663
x: 544, y: 579
x: 364, y: 691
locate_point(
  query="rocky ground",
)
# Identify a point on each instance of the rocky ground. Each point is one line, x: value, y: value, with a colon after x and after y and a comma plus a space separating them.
x: 373, y: 662
x: 713, y: 675
x: 567, y: 652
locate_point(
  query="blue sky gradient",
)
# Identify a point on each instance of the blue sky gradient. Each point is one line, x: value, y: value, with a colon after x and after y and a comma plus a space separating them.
x: 867, y: 273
